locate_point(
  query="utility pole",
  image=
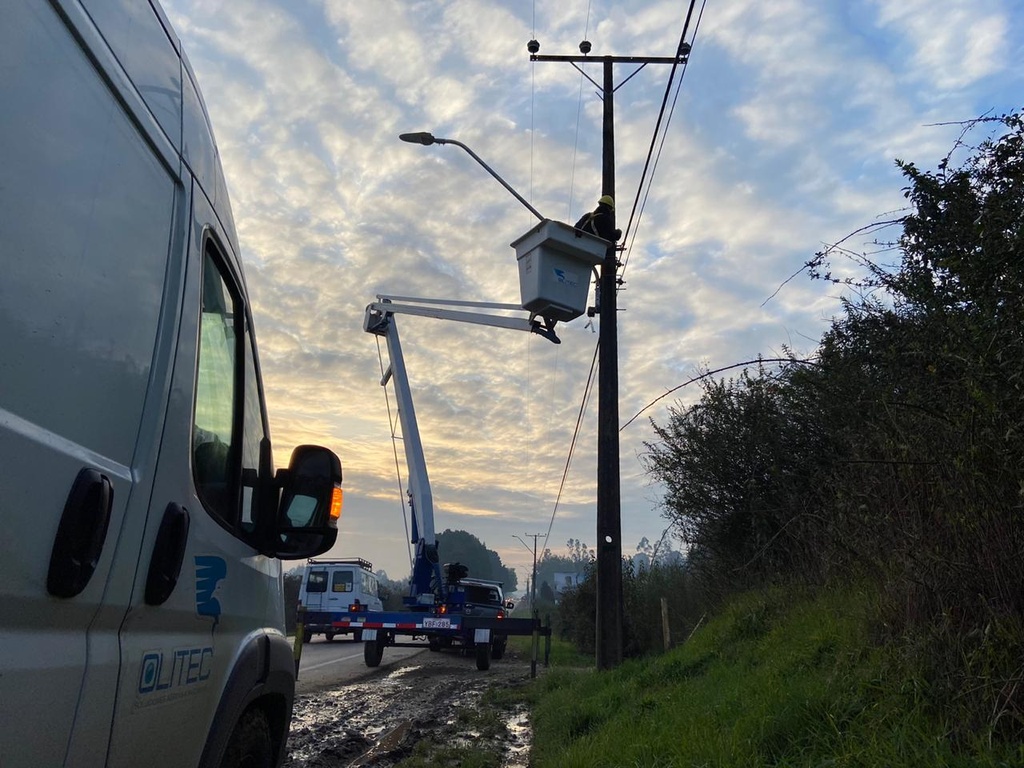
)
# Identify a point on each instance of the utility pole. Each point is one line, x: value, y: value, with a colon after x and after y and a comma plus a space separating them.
x: 609, y: 525
x: 533, y: 598
x: 533, y: 581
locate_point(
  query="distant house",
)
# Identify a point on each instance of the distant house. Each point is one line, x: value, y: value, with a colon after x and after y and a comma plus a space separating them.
x: 564, y: 581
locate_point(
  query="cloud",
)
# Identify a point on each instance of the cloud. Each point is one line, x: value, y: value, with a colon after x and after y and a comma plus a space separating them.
x: 783, y: 137
x: 953, y: 45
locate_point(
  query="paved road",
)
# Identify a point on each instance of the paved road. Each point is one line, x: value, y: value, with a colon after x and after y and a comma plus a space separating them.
x: 339, y: 662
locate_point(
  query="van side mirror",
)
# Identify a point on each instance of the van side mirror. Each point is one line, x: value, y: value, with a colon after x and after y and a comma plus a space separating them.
x: 310, y: 506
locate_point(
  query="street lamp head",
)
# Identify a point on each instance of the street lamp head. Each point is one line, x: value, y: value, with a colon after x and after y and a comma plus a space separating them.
x: 424, y: 138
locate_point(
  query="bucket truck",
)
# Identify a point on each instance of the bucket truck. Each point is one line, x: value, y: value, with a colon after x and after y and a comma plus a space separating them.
x: 444, y: 604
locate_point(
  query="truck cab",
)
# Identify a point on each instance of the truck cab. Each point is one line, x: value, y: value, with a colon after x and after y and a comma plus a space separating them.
x: 481, y: 598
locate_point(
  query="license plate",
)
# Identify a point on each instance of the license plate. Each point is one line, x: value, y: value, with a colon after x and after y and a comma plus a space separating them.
x: 437, y: 623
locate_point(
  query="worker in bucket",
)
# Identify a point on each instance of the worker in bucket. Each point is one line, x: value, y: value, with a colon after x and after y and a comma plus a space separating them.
x: 601, y: 221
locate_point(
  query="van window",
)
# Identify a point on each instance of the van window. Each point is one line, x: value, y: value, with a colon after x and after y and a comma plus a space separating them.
x: 478, y: 594
x: 317, y: 581
x: 342, y: 581
x: 369, y: 584
x: 229, y: 422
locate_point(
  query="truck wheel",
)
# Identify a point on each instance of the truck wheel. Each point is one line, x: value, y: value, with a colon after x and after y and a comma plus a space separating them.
x: 373, y: 651
x: 498, y: 649
x: 358, y: 635
x: 307, y: 636
x: 434, y: 644
x: 483, y: 656
x: 329, y: 636
x: 249, y: 746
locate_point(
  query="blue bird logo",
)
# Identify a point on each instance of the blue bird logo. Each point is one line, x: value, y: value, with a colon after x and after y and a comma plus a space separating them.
x: 209, y: 572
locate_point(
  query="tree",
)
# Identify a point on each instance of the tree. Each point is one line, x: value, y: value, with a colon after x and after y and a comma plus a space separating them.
x: 391, y: 592
x: 897, y: 456
x: 739, y: 469
x: 483, y: 563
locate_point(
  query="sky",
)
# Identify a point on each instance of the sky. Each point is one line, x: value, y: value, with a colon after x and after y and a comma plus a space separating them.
x: 783, y: 138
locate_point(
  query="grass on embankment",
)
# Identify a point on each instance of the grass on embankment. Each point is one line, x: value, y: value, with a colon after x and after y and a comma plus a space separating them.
x: 770, y: 682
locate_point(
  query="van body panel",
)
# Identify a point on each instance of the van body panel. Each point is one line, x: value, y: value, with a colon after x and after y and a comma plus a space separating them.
x: 58, y: 353
x: 177, y: 657
x: 114, y: 225
x: 141, y: 44
x: 202, y: 154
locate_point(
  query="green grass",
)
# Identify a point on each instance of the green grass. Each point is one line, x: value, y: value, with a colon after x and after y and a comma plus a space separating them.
x: 779, y: 678
x: 563, y: 654
x: 775, y: 680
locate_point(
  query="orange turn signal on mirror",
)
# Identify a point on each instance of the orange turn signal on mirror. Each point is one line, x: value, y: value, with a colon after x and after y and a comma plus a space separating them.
x: 336, y: 500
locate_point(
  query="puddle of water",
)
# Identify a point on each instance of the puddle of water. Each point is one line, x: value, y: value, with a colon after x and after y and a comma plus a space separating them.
x: 401, y: 671
x: 517, y: 751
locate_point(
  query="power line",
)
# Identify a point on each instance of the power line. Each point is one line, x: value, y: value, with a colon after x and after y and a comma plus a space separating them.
x: 572, y: 445
x: 647, y: 164
x: 641, y: 192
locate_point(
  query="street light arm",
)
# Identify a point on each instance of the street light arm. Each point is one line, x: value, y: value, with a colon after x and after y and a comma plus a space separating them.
x: 426, y: 139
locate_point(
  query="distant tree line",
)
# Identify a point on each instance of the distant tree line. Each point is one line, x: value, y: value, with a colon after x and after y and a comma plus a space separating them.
x: 896, y: 456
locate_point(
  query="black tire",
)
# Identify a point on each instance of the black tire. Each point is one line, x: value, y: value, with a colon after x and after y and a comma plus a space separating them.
x: 483, y: 656
x: 498, y: 649
x: 306, y: 636
x: 250, y: 745
x: 329, y: 636
x: 434, y: 644
x: 373, y: 652
x: 357, y: 635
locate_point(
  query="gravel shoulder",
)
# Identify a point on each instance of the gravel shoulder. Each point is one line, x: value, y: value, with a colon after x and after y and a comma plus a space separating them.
x: 425, y: 706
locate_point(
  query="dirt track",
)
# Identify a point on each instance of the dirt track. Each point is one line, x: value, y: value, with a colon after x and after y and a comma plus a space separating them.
x: 430, y: 697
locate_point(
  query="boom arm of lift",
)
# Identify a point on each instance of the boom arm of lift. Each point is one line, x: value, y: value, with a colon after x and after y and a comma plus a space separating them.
x: 427, y: 581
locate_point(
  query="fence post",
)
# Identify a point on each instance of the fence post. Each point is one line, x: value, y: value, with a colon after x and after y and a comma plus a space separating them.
x: 547, y: 641
x: 666, y: 635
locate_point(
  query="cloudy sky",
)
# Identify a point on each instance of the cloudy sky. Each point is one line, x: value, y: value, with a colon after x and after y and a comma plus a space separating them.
x: 789, y: 119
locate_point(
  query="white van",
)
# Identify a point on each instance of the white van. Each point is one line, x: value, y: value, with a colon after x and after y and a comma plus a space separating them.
x: 333, y: 587
x: 141, y: 608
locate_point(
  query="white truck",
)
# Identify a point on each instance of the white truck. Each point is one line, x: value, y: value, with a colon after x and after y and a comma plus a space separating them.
x: 330, y: 586
x: 141, y: 603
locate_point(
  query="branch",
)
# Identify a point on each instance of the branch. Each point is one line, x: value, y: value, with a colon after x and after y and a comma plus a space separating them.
x: 712, y: 373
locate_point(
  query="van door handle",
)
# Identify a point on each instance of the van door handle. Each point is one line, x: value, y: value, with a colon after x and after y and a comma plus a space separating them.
x: 168, y: 554
x: 81, y: 533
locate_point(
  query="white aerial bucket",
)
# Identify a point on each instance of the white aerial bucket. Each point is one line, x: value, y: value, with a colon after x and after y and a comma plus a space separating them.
x: 555, y: 265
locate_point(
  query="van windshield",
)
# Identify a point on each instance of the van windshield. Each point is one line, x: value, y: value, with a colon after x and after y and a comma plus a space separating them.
x: 317, y: 581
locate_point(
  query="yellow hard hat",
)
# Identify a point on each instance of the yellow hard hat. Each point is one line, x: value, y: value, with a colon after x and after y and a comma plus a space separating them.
x: 607, y: 200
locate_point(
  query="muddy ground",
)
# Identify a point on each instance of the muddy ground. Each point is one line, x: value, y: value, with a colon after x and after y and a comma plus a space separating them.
x: 424, y: 705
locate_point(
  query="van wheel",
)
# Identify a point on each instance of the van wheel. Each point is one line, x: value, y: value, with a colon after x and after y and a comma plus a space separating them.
x: 373, y: 651
x: 329, y: 636
x: 483, y: 656
x: 249, y: 746
x: 498, y: 649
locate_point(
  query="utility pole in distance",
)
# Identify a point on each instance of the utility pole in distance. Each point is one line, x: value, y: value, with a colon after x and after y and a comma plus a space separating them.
x: 609, y: 507
x: 533, y: 598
